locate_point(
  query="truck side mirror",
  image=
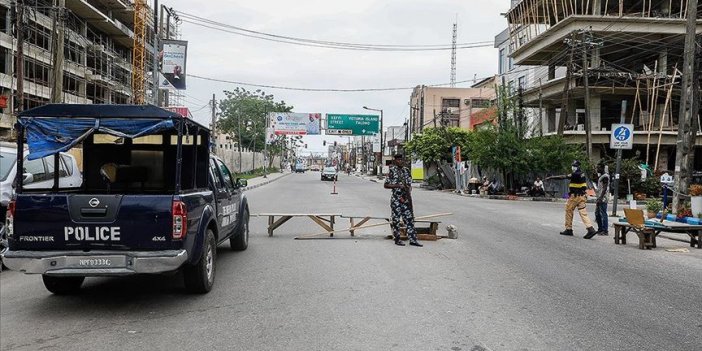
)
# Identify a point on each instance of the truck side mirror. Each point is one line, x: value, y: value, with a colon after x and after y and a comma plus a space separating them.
x: 241, y: 183
x: 27, y: 178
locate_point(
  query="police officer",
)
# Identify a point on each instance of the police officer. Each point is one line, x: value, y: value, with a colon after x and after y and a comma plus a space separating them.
x: 577, y: 199
x: 400, y: 181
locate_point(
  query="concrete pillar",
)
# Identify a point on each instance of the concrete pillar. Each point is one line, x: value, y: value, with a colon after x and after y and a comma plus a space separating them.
x: 572, y: 114
x: 597, y: 7
x: 595, y: 105
x: 551, y: 119
x: 663, y: 61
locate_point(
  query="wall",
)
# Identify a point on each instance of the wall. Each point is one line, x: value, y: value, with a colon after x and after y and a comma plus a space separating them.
x: 231, y: 159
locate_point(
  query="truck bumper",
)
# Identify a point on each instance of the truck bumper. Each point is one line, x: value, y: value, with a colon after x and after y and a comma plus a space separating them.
x: 93, y: 263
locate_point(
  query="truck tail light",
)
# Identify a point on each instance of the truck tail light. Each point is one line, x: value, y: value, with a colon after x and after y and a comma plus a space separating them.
x: 180, y: 220
x: 10, y: 219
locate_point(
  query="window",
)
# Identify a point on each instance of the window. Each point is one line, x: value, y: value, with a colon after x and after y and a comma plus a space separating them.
x: 36, y: 168
x: 482, y: 103
x: 501, y: 63
x: 50, y: 168
x: 215, y: 175
x: 68, y: 162
x: 450, y: 103
x: 226, y: 175
x: 521, y: 82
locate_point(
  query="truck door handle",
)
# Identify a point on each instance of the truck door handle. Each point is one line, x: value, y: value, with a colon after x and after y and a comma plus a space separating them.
x: 93, y: 212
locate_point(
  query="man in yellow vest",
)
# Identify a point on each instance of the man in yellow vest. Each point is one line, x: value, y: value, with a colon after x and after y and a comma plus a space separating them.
x: 577, y: 199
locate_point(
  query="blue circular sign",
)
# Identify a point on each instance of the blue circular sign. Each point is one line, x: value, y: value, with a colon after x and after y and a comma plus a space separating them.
x: 280, y: 118
x: 622, y: 133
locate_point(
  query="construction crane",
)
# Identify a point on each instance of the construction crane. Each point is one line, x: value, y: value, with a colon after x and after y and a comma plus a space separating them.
x: 141, y: 14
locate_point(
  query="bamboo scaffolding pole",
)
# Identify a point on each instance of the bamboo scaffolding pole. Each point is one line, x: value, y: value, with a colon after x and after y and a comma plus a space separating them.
x: 665, y: 112
x: 307, y: 236
x: 636, y: 99
x: 651, y: 110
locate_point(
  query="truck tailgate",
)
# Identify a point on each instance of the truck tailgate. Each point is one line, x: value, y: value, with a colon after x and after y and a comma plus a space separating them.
x: 93, y: 222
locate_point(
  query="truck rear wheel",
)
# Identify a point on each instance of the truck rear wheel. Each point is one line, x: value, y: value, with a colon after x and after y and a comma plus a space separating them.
x: 200, y: 277
x: 241, y: 241
x: 62, y: 285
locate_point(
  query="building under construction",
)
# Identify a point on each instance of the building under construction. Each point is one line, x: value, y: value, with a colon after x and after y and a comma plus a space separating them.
x: 98, y: 47
x: 584, y: 57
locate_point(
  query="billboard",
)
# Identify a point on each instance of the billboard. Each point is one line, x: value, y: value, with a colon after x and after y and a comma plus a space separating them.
x: 182, y: 110
x: 352, y: 124
x: 289, y: 123
x: 173, y: 59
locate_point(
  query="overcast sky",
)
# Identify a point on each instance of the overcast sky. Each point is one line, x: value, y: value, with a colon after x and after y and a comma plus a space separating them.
x: 227, y: 56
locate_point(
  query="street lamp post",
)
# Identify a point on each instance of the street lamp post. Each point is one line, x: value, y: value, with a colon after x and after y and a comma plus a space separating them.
x: 382, y: 146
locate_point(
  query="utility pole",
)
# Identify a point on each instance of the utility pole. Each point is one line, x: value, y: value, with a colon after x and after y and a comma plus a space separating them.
x: 155, y: 76
x: 566, y: 86
x: 689, y: 108
x: 622, y: 118
x: 585, y: 42
x: 19, y: 58
x: 57, y: 38
x: 214, y: 122
x: 239, y: 143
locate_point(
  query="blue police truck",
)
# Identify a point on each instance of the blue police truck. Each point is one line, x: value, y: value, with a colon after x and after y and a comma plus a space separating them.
x: 153, y: 199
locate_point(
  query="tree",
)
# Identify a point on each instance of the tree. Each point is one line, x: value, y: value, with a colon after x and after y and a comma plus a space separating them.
x: 434, y: 144
x: 243, y: 113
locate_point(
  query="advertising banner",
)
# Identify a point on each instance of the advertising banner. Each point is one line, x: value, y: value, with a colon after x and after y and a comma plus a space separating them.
x: 289, y: 123
x: 270, y: 136
x: 173, y: 59
x: 182, y: 110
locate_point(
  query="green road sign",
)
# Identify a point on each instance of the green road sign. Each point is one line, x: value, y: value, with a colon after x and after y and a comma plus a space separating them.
x: 352, y: 124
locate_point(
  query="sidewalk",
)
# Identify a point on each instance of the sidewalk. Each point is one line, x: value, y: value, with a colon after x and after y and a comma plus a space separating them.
x: 254, y: 183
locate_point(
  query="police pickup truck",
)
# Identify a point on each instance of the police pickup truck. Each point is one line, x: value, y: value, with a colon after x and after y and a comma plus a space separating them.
x: 152, y: 200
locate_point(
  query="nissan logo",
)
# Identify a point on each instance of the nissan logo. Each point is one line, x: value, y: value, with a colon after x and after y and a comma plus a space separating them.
x: 94, y: 202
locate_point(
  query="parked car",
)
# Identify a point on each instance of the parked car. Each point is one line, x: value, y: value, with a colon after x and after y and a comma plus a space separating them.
x: 153, y: 199
x: 329, y: 173
x: 37, y: 174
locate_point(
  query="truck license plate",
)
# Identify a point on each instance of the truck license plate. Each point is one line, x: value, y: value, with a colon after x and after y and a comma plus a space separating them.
x: 98, y: 262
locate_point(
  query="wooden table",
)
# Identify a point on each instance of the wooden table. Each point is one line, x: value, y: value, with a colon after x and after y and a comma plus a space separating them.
x: 324, y: 220
x: 648, y: 242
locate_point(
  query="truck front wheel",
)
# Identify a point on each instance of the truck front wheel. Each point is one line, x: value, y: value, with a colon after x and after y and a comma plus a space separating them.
x: 62, y: 285
x: 200, y: 277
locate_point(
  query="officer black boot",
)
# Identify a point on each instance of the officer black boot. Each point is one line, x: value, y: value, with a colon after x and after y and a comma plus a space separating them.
x: 590, y: 233
x: 415, y: 243
x: 399, y: 242
x: 567, y: 232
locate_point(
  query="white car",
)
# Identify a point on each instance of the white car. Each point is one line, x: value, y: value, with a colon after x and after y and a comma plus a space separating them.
x: 38, y: 174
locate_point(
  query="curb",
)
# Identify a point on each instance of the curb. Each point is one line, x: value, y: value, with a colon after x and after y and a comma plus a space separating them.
x: 519, y: 198
x: 265, y: 183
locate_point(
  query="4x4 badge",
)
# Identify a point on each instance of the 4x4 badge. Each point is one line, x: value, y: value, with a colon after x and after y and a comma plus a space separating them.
x: 94, y: 202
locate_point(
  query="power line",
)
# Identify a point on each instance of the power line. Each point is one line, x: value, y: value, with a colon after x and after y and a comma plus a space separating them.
x: 207, y: 23
x: 352, y: 90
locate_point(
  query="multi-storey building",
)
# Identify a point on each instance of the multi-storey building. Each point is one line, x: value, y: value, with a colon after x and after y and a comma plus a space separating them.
x: 631, y: 51
x: 450, y: 107
x: 98, y: 43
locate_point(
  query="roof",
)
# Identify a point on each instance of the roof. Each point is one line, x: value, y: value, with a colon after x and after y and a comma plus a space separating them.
x: 99, y: 111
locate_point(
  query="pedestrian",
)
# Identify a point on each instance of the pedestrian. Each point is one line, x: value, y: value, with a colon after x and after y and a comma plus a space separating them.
x: 400, y: 181
x: 577, y: 199
x: 601, y: 202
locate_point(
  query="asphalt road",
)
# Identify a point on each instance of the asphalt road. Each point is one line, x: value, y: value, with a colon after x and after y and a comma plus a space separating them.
x: 509, y: 282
